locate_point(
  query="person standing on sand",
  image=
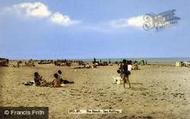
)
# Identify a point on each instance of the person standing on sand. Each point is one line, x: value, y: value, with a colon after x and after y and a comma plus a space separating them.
x: 124, y: 72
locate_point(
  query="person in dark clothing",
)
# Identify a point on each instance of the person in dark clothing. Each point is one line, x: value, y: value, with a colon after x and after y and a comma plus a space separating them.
x: 37, y: 79
x: 61, y: 78
x: 124, y: 72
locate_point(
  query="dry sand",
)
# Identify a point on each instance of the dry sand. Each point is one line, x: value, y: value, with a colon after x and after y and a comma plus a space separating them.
x: 158, y: 92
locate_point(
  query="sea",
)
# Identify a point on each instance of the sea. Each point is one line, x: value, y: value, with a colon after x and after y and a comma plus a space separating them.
x: 148, y: 60
x: 161, y: 60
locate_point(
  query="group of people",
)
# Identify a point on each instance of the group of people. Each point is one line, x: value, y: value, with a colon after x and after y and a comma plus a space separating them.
x: 124, y: 71
x: 57, y: 81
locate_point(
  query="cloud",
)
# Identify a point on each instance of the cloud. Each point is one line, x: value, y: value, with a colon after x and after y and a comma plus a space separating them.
x: 36, y: 9
x: 61, y: 19
x: 136, y: 21
x: 128, y: 22
x: 40, y: 10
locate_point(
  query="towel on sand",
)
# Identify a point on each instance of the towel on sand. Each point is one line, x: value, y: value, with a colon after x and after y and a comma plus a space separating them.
x: 29, y: 83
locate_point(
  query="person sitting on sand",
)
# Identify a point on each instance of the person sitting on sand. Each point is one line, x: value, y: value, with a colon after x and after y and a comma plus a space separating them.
x: 56, y: 82
x: 124, y: 72
x: 61, y: 78
x: 39, y: 81
x: 60, y: 75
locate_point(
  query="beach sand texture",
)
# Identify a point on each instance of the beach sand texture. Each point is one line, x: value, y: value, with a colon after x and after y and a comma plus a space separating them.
x: 158, y: 91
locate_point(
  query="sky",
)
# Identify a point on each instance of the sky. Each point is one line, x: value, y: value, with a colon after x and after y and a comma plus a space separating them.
x: 59, y: 29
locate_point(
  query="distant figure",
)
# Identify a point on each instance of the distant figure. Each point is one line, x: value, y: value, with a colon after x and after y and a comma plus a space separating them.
x: 18, y: 63
x: 61, y: 78
x: 94, y: 61
x: 109, y: 61
x: 124, y: 72
x: 56, y: 82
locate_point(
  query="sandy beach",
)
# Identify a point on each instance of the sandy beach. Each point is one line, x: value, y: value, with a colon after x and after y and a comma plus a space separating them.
x: 158, y: 91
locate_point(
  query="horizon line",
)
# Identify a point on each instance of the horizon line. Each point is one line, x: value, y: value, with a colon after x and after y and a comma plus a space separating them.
x: 95, y: 58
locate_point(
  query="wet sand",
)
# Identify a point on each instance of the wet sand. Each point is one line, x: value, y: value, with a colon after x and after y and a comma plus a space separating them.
x: 158, y: 92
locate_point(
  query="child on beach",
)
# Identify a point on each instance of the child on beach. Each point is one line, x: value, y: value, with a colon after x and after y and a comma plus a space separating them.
x: 124, y: 72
